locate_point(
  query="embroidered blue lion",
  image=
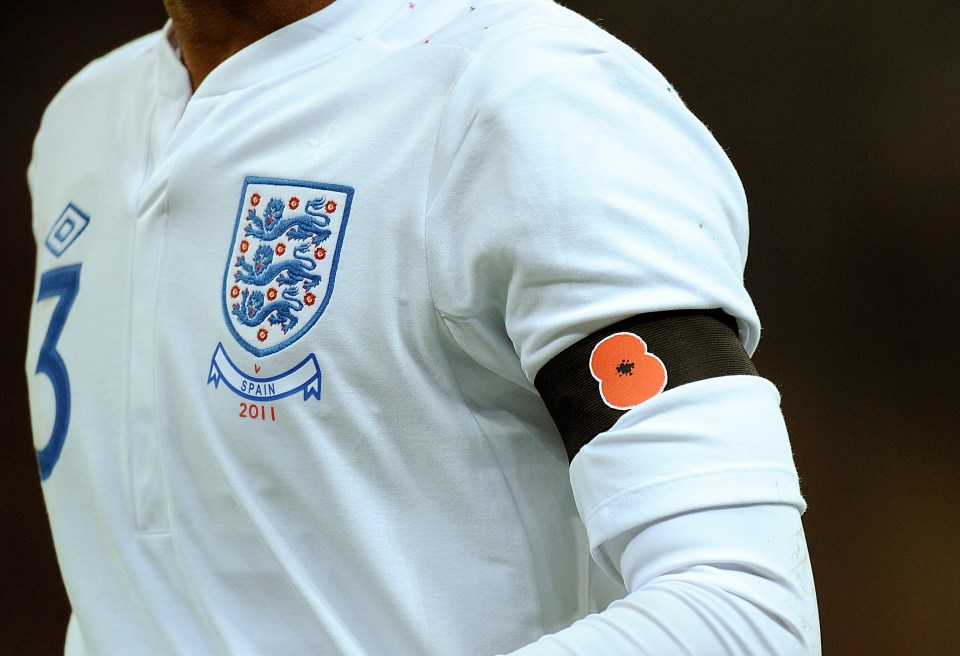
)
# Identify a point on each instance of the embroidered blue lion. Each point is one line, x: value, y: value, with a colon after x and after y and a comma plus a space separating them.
x: 251, y: 310
x: 311, y: 225
x: 262, y: 271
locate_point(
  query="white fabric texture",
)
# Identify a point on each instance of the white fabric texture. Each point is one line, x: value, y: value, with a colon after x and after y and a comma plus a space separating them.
x: 718, y: 566
x: 722, y: 581
x: 507, y: 178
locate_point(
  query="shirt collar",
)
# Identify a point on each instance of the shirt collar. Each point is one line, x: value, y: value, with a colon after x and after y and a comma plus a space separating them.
x: 341, y: 24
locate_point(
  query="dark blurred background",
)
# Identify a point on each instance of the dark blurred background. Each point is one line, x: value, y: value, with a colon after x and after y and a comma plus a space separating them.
x: 844, y: 122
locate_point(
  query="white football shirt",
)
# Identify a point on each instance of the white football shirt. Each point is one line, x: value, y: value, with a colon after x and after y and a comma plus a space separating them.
x: 287, y: 326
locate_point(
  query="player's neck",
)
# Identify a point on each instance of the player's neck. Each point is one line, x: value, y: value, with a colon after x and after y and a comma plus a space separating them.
x: 210, y: 31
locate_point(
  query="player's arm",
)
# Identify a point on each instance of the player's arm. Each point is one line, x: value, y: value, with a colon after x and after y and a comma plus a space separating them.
x: 570, y: 195
x: 683, y: 475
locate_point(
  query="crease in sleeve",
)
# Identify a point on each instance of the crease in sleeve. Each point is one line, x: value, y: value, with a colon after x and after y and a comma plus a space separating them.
x: 714, y: 443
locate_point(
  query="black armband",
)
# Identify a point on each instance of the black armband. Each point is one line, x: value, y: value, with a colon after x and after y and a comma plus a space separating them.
x: 591, y: 384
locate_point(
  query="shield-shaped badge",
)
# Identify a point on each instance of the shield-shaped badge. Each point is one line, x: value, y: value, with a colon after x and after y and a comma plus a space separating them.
x: 283, y: 260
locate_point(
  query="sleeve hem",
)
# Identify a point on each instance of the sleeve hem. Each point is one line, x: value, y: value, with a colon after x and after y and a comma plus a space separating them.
x: 650, y: 502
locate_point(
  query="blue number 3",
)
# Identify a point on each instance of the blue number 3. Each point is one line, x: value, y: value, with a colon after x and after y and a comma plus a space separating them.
x: 63, y: 283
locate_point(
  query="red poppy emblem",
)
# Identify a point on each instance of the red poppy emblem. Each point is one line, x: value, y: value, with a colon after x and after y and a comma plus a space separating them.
x: 628, y: 374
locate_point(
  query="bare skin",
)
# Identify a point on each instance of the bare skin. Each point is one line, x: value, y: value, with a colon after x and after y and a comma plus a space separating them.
x: 210, y: 31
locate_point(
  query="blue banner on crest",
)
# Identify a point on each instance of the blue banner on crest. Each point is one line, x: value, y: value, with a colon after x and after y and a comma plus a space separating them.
x: 304, y: 377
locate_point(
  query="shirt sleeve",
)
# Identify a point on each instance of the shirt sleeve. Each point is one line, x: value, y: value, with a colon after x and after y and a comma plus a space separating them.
x: 572, y: 188
x: 721, y: 581
x: 693, y: 501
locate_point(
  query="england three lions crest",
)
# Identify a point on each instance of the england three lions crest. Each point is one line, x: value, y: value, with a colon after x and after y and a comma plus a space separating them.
x: 283, y: 260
